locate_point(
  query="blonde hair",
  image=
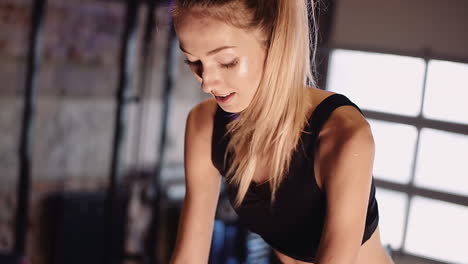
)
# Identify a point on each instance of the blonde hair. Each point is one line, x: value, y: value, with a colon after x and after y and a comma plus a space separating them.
x: 269, y: 129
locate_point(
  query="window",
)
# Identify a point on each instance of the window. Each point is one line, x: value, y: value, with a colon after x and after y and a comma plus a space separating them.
x: 392, y: 216
x: 418, y: 112
x: 447, y: 91
x: 395, y: 143
x: 442, y: 161
x: 438, y: 230
x: 376, y: 81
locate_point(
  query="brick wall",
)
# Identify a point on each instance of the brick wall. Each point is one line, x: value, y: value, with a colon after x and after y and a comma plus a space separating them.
x: 75, y: 104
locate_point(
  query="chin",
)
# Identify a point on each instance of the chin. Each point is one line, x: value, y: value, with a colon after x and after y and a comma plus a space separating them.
x: 232, y: 110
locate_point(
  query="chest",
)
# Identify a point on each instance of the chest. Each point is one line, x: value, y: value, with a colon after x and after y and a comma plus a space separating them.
x: 312, y: 170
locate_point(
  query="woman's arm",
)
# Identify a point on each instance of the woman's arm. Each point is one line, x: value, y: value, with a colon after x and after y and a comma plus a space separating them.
x: 202, y: 189
x: 345, y: 156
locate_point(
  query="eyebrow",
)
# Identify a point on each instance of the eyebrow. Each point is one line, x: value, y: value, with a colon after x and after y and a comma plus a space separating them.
x: 212, y: 51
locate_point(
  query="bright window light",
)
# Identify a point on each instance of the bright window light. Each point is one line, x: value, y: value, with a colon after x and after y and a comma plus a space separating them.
x: 438, y: 230
x: 378, y: 82
x: 447, y: 91
x: 392, y: 206
x: 394, y: 150
x: 442, y: 162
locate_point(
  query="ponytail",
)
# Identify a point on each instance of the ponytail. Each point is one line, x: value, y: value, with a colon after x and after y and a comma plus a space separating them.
x: 267, y: 132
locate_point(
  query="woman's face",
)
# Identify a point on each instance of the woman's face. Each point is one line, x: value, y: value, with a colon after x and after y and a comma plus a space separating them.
x: 226, y: 60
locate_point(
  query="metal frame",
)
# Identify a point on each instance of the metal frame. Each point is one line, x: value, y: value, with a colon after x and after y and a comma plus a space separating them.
x: 168, y: 84
x: 123, y: 99
x: 27, y: 126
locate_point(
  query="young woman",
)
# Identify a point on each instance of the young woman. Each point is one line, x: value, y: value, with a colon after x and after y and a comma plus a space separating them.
x: 298, y: 159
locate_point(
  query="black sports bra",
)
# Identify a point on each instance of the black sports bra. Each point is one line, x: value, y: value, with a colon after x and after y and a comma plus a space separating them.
x: 294, y: 225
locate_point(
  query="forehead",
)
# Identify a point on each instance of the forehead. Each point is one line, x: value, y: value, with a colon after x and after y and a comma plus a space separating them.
x: 200, y: 34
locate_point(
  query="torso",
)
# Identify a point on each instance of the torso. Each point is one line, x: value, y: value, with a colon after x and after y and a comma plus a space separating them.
x: 315, y: 96
x: 371, y: 251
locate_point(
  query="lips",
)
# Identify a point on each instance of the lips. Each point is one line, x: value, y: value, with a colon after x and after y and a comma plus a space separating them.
x: 224, y: 99
x: 222, y: 95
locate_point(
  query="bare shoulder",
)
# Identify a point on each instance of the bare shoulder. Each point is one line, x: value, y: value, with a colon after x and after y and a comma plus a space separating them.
x: 343, y: 122
x: 346, y: 129
x: 201, y: 173
x: 346, y: 118
x: 201, y: 117
x: 345, y: 132
x: 198, y: 137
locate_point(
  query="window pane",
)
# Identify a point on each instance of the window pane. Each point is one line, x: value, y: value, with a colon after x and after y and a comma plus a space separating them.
x: 392, y: 206
x: 447, y: 91
x: 438, y: 230
x: 394, y: 150
x: 442, y: 162
x: 378, y: 82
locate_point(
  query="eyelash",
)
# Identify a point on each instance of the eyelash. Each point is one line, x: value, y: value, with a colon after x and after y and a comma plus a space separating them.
x: 226, y: 66
x: 230, y: 65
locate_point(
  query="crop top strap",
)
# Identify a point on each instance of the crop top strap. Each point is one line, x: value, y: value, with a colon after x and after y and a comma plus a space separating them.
x: 323, y: 111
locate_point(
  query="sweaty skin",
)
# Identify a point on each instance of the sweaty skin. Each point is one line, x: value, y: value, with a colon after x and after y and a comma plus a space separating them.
x: 226, y: 59
x: 223, y: 58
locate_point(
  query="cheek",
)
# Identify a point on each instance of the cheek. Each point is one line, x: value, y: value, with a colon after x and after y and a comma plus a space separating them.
x: 244, y: 69
x: 249, y: 73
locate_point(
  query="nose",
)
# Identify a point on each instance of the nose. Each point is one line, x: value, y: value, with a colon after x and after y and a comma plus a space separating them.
x: 209, y: 81
x: 207, y: 88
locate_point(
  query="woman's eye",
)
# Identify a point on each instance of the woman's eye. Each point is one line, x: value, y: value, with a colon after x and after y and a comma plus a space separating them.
x: 227, y: 65
x: 230, y: 65
x: 191, y: 63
